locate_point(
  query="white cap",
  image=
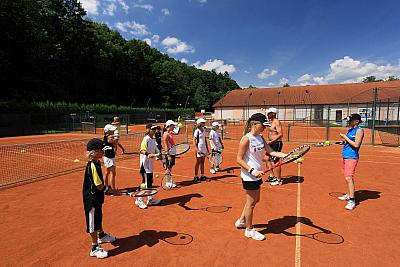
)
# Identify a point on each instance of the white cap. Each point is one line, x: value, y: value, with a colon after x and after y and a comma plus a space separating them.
x: 170, y: 122
x: 109, y: 127
x: 215, y: 124
x: 200, y: 120
x: 271, y: 110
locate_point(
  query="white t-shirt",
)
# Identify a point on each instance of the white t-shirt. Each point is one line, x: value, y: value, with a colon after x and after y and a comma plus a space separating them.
x: 150, y: 146
x: 214, y: 137
x: 201, y: 139
x: 253, y: 157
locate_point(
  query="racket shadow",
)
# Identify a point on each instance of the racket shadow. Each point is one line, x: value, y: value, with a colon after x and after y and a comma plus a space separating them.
x: 293, y: 179
x: 180, y: 200
x: 145, y: 238
x: 281, y: 225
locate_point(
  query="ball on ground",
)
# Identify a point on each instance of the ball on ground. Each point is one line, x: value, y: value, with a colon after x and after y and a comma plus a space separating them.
x: 327, y: 142
x: 77, y: 160
x: 156, y: 175
x: 143, y: 186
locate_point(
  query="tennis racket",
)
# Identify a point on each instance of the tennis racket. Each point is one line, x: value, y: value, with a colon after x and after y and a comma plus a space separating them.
x: 141, y: 192
x: 325, y: 144
x: 216, y: 157
x: 167, y: 182
x: 290, y: 157
x: 177, y: 149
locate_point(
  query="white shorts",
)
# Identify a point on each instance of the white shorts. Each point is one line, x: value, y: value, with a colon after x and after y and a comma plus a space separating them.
x: 109, y: 162
x: 202, y: 152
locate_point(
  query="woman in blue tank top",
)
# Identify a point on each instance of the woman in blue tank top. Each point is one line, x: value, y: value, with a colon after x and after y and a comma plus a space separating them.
x: 350, y: 155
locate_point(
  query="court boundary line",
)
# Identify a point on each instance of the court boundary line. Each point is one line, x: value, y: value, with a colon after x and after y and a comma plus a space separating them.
x: 298, y: 225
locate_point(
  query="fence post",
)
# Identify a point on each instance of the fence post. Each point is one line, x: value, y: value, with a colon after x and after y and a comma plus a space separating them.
x: 375, y: 94
x: 398, y: 111
x: 327, y: 126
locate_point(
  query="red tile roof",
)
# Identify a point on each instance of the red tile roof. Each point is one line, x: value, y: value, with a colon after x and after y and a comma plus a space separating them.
x: 312, y: 94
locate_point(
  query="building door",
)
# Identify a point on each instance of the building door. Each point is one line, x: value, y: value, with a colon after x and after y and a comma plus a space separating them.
x: 338, y: 115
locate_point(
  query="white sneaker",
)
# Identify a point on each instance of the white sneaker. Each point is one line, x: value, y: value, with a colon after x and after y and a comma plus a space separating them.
x: 351, y: 204
x: 276, y: 182
x: 344, y: 197
x: 106, y: 239
x: 212, y: 171
x: 173, y: 184
x: 140, y: 203
x: 253, y: 233
x: 240, y: 224
x: 99, y: 253
x: 152, y: 202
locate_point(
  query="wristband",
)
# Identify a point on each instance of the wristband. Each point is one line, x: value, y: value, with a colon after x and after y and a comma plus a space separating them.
x: 251, y: 170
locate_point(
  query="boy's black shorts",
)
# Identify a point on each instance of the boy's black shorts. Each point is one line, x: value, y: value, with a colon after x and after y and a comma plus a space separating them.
x: 146, y: 177
x: 94, y: 219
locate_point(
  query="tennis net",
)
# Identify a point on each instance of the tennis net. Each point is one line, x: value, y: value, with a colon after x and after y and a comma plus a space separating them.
x: 31, y: 162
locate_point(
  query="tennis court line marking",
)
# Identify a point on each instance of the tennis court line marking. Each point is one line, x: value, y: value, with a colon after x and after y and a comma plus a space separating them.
x: 297, y: 260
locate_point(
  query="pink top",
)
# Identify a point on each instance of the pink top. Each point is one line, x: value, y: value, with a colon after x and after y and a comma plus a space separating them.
x: 170, y: 140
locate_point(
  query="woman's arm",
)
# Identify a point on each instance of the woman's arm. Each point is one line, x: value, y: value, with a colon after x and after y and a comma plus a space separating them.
x: 357, y: 142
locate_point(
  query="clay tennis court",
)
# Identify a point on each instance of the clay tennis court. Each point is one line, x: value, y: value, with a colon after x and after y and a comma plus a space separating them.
x: 43, y: 222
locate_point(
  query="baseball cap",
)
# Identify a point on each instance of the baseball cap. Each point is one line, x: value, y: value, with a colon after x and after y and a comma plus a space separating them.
x: 109, y: 127
x: 261, y: 118
x: 353, y: 117
x: 116, y: 119
x: 215, y: 124
x: 271, y: 110
x: 94, y: 144
x: 151, y: 126
x: 200, y: 120
x: 170, y: 122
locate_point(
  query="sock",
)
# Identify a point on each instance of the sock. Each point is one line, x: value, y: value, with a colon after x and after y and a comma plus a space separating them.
x: 352, y: 198
x: 102, y: 234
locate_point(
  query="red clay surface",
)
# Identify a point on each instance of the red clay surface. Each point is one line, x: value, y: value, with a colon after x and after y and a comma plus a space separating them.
x: 43, y: 223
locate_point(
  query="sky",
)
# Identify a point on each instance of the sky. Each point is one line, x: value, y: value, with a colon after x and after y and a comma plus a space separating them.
x: 266, y: 43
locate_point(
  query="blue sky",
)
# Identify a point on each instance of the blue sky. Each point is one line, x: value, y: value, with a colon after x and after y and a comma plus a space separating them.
x: 266, y: 43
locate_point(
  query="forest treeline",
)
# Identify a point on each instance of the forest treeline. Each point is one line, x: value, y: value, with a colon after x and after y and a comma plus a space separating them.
x: 50, y: 51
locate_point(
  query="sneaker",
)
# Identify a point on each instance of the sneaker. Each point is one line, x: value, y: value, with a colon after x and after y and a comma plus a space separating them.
x: 140, y: 203
x: 99, y: 253
x: 253, y: 233
x: 351, y: 204
x: 344, y: 197
x: 270, y: 179
x: 212, y: 171
x: 203, y: 178
x: 106, y: 239
x: 173, y: 184
x: 152, y: 202
x: 276, y: 182
x: 239, y: 224
x: 196, y: 179
x: 218, y: 169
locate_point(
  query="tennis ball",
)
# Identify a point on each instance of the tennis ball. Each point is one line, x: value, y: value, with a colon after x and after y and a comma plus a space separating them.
x: 156, y: 175
x: 143, y: 186
x: 23, y: 151
x: 327, y: 142
x: 180, y: 125
x: 77, y: 160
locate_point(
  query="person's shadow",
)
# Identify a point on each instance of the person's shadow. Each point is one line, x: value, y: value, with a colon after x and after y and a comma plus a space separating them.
x: 146, y: 237
x: 362, y: 195
x: 293, y: 179
x: 279, y: 226
x: 180, y: 200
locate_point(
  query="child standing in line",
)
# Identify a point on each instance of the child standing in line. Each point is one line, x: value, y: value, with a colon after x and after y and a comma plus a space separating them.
x: 201, y: 150
x: 168, y: 142
x: 93, y: 198
x: 216, y: 144
x: 117, y: 134
x: 109, y: 155
x: 148, y: 152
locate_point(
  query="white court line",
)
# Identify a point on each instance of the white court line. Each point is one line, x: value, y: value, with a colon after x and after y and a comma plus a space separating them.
x: 297, y: 259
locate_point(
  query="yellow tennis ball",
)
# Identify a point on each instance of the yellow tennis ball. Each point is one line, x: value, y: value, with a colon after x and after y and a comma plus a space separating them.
x: 156, y: 175
x: 180, y: 125
x: 143, y: 186
x: 77, y: 160
x: 327, y: 142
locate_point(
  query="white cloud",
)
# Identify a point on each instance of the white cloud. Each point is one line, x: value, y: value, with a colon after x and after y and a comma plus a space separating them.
x: 146, y: 7
x: 283, y: 81
x: 155, y: 38
x: 165, y: 12
x: 125, y: 7
x: 266, y: 73
x: 218, y: 65
x: 133, y: 28
x: 271, y: 84
x: 349, y: 70
x: 246, y: 71
x: 202, y: 1
x: 184, y: 60
x: 147, y: 41
x: 174, y: 46
x: 110, y: 9
x: 91, y: 6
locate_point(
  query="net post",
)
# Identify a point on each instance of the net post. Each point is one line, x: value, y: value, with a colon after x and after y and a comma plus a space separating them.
x: 375, y: 95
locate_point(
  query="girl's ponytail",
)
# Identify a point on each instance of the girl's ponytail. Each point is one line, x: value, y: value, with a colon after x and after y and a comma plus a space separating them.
x: 247, y: 127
